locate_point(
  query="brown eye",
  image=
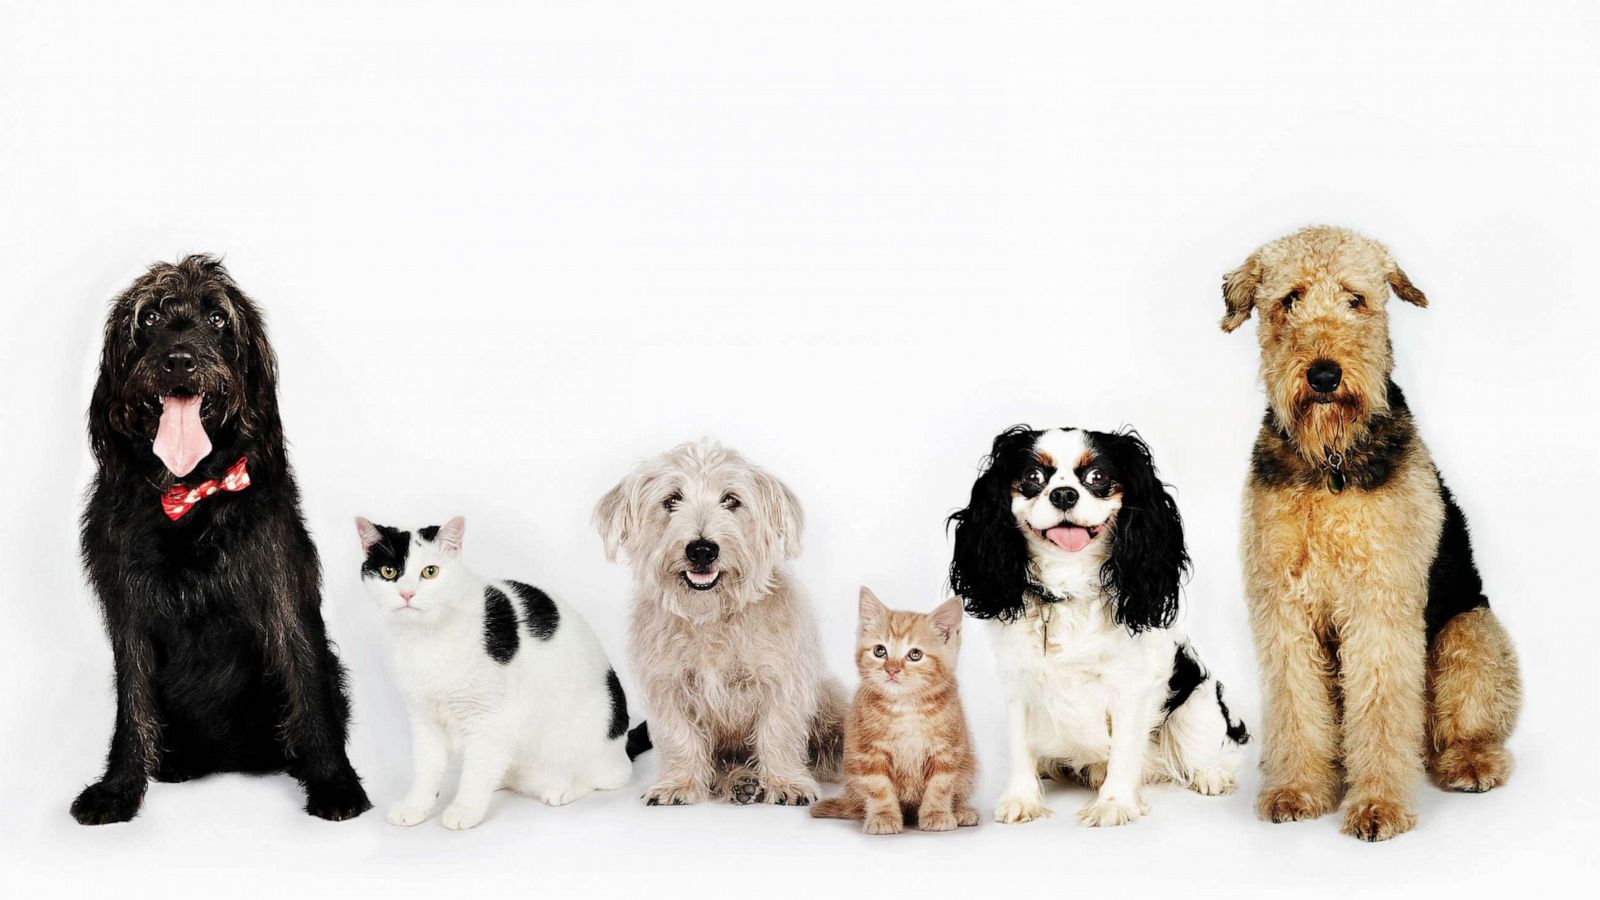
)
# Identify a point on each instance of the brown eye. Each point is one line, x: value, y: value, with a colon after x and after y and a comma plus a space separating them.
x: 1034, y: 475
x: 217, y: 319
x: 671, y: 503
x: 1290, y: 299
x: 731, y: 501
x: 150, y: 318
x: 880, y: 651
x: 1094, y: 478
x: 1357, y: 301
x: 914, y: 655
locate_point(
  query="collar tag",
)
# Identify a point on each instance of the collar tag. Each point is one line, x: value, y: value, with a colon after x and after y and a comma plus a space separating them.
x: 1335, y: 472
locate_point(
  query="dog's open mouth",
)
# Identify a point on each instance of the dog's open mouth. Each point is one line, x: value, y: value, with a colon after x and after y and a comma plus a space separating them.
x: 702, y: 581
x: 181, y: 440
x: 1071, y: 537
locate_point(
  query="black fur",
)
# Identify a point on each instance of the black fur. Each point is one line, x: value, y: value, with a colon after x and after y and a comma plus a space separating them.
x: 619, y: 706
x: 638, y: 740
x: 538, y: 609
x: 222, y: 659
x: 499, y: 626
x: 1275, y: 463
x: 390, y: 549
x: 428, y: 533
x: 1236, y: 730
x: 1454, y: 585
x: 1187, y: 674
x: 989, y: 567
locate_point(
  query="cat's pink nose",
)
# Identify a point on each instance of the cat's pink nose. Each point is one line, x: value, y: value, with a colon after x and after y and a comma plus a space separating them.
x: 407, y: 595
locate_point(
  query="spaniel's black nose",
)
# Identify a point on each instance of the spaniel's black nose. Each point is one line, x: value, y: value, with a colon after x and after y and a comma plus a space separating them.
x: 1324, y: 376
x: 179, y: 362
x: 701, y: 553
x: 1063, y: 498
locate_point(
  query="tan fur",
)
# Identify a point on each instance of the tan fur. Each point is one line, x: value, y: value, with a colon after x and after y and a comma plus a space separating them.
x: 1337, y: 581
x: 908, y: 754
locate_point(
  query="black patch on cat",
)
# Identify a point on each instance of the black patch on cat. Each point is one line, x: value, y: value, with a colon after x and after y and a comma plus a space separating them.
x: 499, y: 626
x: 538, y: 610
x: 1236, y: 730
x: 619, y: 706
x: 428, y: 533
x: 1454, y: 586
x: 390, y: 550
x: 638, y: 740
x: 1368, y: 465
x: 1187, y: 674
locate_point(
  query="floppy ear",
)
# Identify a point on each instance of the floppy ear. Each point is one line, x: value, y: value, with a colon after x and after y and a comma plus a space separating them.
x: 1148, y: 559
x: 782, y: 511
x: 1239, y: 292
x: 872, y: 610
x: 616, y: 515
x: 450, y: 534
x: 947, y: 619
x: 1403, y: 288
x: 368, y: 533
x: 109, y: 414
x: 989, y: 566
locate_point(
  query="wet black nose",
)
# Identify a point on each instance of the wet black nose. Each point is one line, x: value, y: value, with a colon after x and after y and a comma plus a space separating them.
x: 1324, y: 376
x: 179, y: 362
x: 701, y: 553
x: 1063, y: 498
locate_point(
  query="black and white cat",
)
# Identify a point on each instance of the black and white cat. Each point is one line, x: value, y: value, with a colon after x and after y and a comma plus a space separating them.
x: 498, y: 671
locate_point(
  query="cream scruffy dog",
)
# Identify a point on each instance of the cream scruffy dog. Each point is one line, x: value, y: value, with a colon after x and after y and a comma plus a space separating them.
x: 722, y: 640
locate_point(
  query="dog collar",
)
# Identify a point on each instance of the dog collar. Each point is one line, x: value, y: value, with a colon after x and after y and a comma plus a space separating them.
x: 179, y: 499
x: 1335, y: 466
x: 1044, y: 594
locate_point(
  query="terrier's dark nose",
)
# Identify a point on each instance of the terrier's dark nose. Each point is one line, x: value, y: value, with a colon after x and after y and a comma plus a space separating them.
x: 701, y: 553
x: 179, y: 361
x: 1063, y: 498
x: 1324, y: 376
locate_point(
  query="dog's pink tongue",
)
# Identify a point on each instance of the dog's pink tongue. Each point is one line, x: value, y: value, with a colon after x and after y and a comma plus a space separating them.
x: 181, y: 440
x: 1069, y: 537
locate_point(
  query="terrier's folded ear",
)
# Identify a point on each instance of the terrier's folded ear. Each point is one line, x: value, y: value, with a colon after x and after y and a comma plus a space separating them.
x: 1402, y: 286
x: 1239, y: 292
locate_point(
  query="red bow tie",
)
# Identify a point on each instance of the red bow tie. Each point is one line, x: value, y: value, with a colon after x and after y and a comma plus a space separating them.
x: 179, y: 499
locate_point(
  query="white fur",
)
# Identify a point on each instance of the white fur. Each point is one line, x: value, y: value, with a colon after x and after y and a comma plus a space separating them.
x: 536, y: 724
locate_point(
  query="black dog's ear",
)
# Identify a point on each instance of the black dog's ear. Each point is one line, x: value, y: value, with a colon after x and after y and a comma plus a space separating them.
x: 1148, y: 559
x: 990, y: 565
x: 109, y: 414
x: 254, y: 359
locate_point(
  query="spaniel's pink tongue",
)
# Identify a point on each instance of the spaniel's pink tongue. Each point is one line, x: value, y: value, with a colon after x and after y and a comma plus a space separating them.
x: 1068, y: 537
x: 181, y: 440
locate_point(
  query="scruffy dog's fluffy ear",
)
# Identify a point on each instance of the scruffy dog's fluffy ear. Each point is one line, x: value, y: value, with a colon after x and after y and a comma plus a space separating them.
x: 781, y: 516
x: 1403, y: 288
x: 1239, y: 292
x: 1148, y: 559
x: 989, y: 568
x: 616, y: 516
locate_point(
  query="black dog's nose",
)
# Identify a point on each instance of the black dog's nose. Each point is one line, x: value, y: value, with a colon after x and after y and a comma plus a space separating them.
x: 701, y: 553
x: 179, y: 361
x: 1324, y: 376
x: 1063, y: 498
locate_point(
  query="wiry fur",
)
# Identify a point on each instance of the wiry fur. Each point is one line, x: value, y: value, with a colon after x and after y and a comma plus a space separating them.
x: 222, y: 660
x: 1377, y: 647
x: 740, y: 705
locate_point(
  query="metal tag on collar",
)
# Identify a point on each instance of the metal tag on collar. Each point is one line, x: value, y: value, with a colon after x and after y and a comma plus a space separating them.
x: 1335, y: 475
x: 1044, y: 627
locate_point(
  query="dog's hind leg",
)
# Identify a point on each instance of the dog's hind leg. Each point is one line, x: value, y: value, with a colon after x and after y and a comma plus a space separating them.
x: 1474, y: 694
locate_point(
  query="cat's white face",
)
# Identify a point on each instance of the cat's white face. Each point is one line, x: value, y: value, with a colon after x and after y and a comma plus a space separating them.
x: 413, y: 576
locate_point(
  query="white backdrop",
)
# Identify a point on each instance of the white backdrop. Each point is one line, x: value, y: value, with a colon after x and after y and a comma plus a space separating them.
x: 508, y: 251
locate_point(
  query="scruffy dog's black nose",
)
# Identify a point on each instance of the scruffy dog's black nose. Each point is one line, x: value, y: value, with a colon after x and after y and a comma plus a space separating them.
x: 1063, y: 498
x: 701, y: 553
x: 1324, y: 376
x: 179, y: 361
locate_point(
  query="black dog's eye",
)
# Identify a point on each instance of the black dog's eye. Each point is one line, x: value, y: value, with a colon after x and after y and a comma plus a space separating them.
x: 1290, y: 299
x: 150, y: 318
x: 880, y: 651
x: 914, y: 655
x: 217, y: 319
x: 671, y: 503
x: 1094, y: 477
x: 731, y: 501
x: 1357, y: 301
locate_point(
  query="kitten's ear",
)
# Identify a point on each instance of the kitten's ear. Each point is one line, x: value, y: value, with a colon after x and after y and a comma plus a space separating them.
x: 450, y: 534
x: 947, y: 619
x: 368, y: 533
x: 872, y: 610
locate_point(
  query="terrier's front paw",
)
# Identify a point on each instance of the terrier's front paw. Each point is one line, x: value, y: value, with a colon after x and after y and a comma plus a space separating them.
x: 337, y: 799
x: 460, y: 817
x: 744, y: 788
x: 1012, y: 810
x: 799, y: 792
x: 1290, y: 804
x: 1212, y: 782
x: 674, y: 793
x: 1472, y: 768
x: 883, y: 823
x: 406, y: 813
x: 1377, y: 820
x: 1106, y: 812
x: 101, y: 804
x: 937, y: 820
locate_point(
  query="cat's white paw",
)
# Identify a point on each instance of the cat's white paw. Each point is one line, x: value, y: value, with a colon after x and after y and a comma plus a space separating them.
x: 459, y: 817
x: 565, y: 795
x: 406, y: 813
x: 1109, y: 811
x: 1013, y: 810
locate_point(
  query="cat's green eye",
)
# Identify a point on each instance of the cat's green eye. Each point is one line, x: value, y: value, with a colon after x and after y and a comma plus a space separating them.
x: 880, y: 651
x: 430, y: 571
x: 388, y: 573
x: 914, y: 655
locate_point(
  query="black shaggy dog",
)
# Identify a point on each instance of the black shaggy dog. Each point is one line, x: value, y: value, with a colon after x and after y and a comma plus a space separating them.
x: 193, y: 540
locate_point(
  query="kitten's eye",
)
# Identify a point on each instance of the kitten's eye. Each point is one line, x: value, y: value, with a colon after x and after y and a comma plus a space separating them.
x: 1357, y: 301
x: 430, y: 571
x: 731, y: 501
x: 388, y: 573
x: 1033, y: 475
x: 671, y: 503
x: 880, y: 651
x: 914, y: 655
x: 217, y: 319
x: 1290, y: 299
x: 1095, y: 477
x: 150, y: 318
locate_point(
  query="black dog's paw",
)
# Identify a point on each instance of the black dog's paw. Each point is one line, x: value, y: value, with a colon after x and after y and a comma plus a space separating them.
x: 101, y: 804
x: 336, y: 800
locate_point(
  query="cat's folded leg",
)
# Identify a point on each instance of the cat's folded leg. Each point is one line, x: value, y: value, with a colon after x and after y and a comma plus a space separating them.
x: 485, y: 757
x: 1023, y: 800
x: 883, y: 813
x: 430, y: 754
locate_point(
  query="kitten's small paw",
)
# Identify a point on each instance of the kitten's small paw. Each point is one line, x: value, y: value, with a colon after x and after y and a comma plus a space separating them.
x: 100, y: 804
x: 563, y: 796
x: 1290, y: 804
x: 1377, y: 820
x: 1017, y: 810
x: 800, y: 792
x: 1110, y: 811
x: 940, y: 820
x: 883, y: 824
x: 459, y: 817
x: 337, y: 799
x: 406, y: 814
x: 674, y: 793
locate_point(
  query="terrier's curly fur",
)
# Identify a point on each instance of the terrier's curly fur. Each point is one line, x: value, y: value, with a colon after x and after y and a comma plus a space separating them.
x: 1377, y: 647
x: 723, y: 643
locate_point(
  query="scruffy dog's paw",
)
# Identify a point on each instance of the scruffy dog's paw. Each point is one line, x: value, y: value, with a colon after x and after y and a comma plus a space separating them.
x: 100, y: 804
x: 674, y: 793
x: 937, y: 820
x: 1377, y: 820
x: 336, y: 799
x: 883, y: 823
x: 460, y: 817
x: 790, y: 793
x: 1290, y: 804
x: 966, y: 816
x: 1016, y: 810
x: 406, y: 813
x: 1472, y: 769
x: 1106, y: 812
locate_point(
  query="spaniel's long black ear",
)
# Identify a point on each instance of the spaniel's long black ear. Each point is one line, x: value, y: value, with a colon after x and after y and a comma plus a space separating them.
x: 254, y: 360
x: 1148, y: 560
x: 109, y: 414
x: 990, y: 564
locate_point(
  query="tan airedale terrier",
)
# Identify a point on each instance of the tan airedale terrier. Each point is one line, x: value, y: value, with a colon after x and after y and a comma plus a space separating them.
x: 1376, y: 643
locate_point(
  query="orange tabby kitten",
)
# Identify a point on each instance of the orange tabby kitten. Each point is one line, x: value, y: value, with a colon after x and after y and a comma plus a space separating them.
x: 907, y: 755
